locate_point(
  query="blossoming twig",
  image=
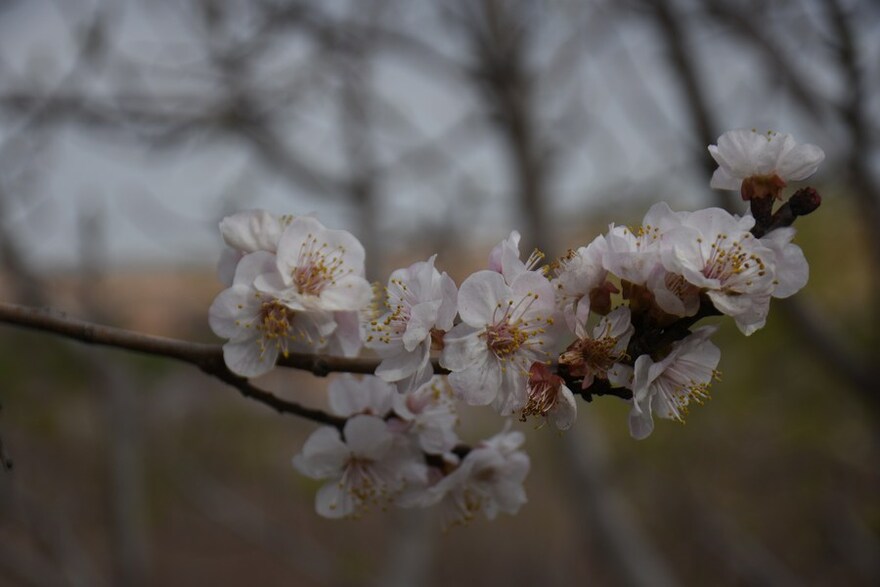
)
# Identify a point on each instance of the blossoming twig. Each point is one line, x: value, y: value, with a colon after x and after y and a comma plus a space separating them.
x: 207, y: 357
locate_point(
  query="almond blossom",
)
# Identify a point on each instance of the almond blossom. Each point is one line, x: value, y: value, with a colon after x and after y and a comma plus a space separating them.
x: 422, y: 307
x: 504, y: 330
x: 364, y: 466
x: 258, y: 325
x: 489, y: 480
x: 319, y: 269
x: 716, y: 252
x: 760, y: 164
x: 505, y: 258
x: 667, y: 386
x: 580, y: 282
x: 349, y: 395
x: 428, y: 416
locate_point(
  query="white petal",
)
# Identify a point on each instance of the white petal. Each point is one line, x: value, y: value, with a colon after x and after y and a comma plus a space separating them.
x: 564, y: 413
x: 462, y: 346
x: 479, y: 384
x: 480, y: 295
x: 403, y: 364
x: 367, y: 436
x: 250, y: 231
x: 247, y: 359
x: 323, y: 454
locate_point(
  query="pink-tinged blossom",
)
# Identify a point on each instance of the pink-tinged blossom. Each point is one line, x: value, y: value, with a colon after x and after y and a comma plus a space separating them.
x: 258, y: 325
x: 594, y: 356
x: 634, y: 255
x: 365, y: 467
x: 714, y: 251
x: 770, y: 158
x: 421, y: 306
x: 489, y: 480
x: 318, y: 269
x: 581, y: 278
x: 349, y: 395
x: 427, y: 415
x: 504, y: 329
x: 504, y: 258
x: 667, y: 387
x: 549, y: 398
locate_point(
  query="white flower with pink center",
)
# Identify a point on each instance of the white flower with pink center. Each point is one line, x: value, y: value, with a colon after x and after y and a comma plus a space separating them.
x: 765, y: 160
x: 427, y: 415
x: 365, y: 466
x: 259, y: 326
x: 421, y: 307
x: 489, y: 480
x: 318, y: 269
x: 714, y: 251
x: 504, y: 329
x: 633, y: 255
x: 666, y: 387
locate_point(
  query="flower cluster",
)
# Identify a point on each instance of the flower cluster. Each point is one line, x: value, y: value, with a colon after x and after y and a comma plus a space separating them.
x: 614, y: 317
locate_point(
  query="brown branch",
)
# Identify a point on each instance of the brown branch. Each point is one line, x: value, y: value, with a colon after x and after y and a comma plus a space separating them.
x: 207, y: 357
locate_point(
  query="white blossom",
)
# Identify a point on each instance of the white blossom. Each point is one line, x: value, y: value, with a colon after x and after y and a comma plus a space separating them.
x: 743, y: 154
x: 504, y: 330
x: 364, y: 467
x: 258, y: 325
x: 318, y: 269
x: 246, y: 232
x: 667, y: 386
x: 489, y: 480
x: 714, y: 251
x: 422, y: 306
x: 580, y: 276
x: 427, y: 415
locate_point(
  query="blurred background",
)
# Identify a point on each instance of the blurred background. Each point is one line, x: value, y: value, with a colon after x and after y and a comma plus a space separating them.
x: 128, y: 128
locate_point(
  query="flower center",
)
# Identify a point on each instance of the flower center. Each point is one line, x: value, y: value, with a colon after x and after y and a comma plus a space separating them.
x: 591, y: 355
x: 317, y: 266
x: 543, y: 390
x: 730, y: 260
x: 275, y: 323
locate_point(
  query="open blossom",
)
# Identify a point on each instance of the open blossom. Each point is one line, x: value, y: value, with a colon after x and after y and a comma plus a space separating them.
x: 504, y: 330
x: 634, y: 255
x: 666, y: 387
x: 422, y: 305
x: 594, y: 356
x: 580, y: 280
x: 364, y: 467
x: 714, y: 251
x: 549, y: 398
x: 318, y: 269
x: 489, y: 480
x: 761, y: 163
x: 258, y: 325
x: 427, y: 415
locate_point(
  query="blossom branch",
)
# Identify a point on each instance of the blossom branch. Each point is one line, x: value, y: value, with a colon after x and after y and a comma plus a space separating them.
x: 207, y: 357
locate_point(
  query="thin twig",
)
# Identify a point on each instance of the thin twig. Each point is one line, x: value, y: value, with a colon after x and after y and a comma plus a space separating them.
x: 207, y: 357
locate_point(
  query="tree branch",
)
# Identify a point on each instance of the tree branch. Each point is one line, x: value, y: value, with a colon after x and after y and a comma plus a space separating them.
x: 207, y: 357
